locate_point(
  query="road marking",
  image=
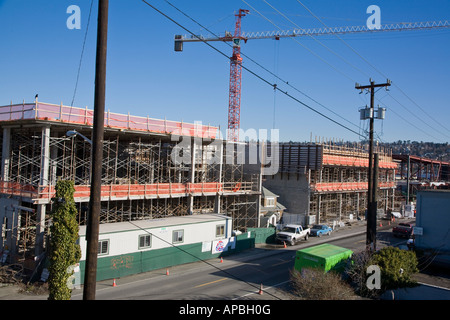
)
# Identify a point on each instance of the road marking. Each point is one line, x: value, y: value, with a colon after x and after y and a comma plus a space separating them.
x: 432, y: 285
x: 282, y: 262
x: 205, y: 284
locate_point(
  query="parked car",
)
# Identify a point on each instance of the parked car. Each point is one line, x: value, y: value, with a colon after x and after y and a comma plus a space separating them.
x: 403, y: 230
x: 320, y: 229
x: 292, y: 233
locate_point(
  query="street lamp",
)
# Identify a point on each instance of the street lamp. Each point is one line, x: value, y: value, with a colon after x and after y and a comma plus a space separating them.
x: 72, y: 133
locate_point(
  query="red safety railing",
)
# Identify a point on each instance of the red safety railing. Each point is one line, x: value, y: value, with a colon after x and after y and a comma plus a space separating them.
x: 66, y: 114
x: 350, y: 161
x: 347, y: 186
x: 128, y: 191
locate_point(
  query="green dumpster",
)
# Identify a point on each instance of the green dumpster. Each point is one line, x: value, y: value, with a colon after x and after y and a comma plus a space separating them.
x: 324, y: 256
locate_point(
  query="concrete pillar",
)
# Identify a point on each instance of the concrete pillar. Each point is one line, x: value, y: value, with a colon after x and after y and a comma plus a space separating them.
x: 357, y: 204
x: 318, y: 208
x: 218, y: 199
x: 43, y: 182
x: 192, y: 180
x: 6, y: 154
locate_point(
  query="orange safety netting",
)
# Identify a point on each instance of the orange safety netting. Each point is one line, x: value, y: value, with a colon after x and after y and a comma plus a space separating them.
x: 66, y: 114
x: 348, y: 186
x: 355, y: 161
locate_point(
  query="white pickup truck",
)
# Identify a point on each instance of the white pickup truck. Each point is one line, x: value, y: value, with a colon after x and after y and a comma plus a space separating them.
x: 292, y: 233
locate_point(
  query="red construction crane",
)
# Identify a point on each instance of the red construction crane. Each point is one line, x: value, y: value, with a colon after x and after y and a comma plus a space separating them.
x: 234, y: 100
x: 234, y: 105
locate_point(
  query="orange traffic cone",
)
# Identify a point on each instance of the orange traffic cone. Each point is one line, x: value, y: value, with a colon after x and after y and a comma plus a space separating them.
x: 221, y: 260
x: 167, y: 272
x: 114, y: 283
x: 261, y: 289
x: 284, y: 242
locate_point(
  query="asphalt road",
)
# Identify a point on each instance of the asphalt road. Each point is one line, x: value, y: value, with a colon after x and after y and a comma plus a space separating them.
x: 261, y: 273
x: 237, y: 277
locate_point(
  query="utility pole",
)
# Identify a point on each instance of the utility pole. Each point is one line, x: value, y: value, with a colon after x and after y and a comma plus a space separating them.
x: 368, y: 113
x: 408, y: 179
x: 92, y: 231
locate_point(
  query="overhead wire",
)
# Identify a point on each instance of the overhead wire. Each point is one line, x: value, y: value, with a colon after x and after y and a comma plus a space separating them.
x: 82, y: 53
x: 417, y: 117
x: 377, y: 70
x: 329, y: 49
x: 316, y: 40
x: 410, y: 123
x: 301, y: 44
x: 261, y: 66
x: 250, y: 71
x: 200, y: 259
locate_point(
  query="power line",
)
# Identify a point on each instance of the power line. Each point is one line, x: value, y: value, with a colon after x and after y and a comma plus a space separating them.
x: 446, y: 128
x: 294, y: 39
x: 326, y: 47
x: 82, y: 53
x: 261, y: 66
x: 417, y: 117
x: 375, y: 68
x: 410, y: 123
x: 202, y: 260
x: 250, y: 71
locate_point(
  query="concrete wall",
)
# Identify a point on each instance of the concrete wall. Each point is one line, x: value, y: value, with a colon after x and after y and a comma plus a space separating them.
x: 433, y: 216
x: 293, y: 191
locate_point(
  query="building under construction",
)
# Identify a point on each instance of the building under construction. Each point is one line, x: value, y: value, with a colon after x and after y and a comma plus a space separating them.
x: 149, y: 172
x: 326, y: 182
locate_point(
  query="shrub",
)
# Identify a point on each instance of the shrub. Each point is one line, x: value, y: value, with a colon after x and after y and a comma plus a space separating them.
x: 357, y: 274
x: 314, y: 284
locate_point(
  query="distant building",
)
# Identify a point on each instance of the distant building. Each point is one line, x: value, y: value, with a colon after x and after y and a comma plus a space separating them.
x: 432, y: 231
x: 271, y: 211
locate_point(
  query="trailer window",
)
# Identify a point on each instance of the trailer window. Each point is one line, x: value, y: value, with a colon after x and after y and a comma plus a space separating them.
x: 103, y: 247
x: 145, y: 241
x: 177, y: 236
x: 220, y: 230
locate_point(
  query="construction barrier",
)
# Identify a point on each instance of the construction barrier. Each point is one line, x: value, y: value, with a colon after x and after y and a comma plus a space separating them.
x: 67, y: 114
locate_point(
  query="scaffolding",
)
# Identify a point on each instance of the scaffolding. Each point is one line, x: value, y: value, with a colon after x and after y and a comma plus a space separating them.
x: 337, y: 179
x: 151, y: 169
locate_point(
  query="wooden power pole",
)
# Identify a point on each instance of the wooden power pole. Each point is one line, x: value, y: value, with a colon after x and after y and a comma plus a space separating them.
x: 93, y: 222
x: 372, y: 187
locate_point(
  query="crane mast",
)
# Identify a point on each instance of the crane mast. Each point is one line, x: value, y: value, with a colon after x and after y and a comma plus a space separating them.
x: 234, y: 100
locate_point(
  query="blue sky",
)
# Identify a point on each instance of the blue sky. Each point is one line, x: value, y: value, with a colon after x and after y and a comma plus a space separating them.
x: 39, y: 54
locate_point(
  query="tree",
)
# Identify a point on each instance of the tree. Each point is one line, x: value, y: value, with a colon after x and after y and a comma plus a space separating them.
x: 397, y: 266
x: 64, y: 251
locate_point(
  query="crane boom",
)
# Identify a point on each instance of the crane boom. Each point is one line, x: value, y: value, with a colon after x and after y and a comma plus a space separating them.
x: 234, y: 106
x: 403, y: 26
